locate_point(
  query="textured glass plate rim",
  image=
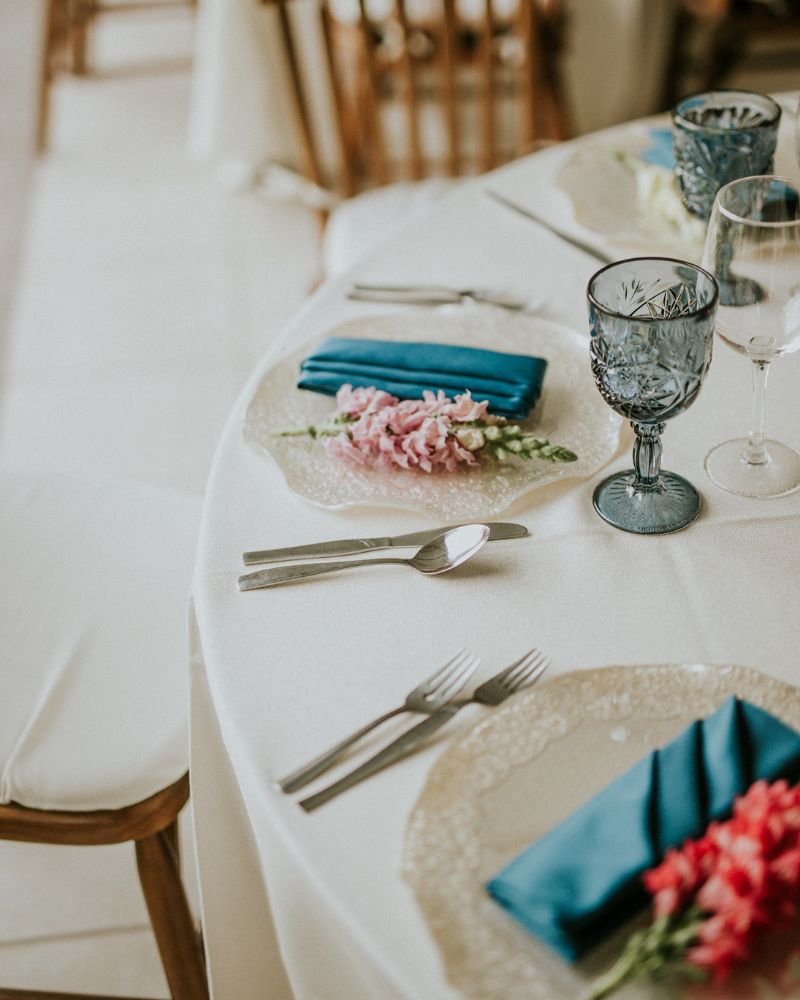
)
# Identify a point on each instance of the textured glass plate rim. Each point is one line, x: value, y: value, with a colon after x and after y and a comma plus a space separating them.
x: 597, y: 156
x: 483, y: 326
x: 443, y: 852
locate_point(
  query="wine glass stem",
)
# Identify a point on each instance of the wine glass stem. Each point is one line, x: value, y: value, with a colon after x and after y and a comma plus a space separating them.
x: 647, y: 453
x: 756, y: 453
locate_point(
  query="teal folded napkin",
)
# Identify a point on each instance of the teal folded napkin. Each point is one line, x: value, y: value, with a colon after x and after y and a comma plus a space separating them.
x: 583, y: 879
x: 661, y: 153
x: 511, y: 383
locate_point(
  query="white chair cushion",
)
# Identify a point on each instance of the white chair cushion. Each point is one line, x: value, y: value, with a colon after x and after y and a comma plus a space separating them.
x: 361, y: 224
x: 94, y: 584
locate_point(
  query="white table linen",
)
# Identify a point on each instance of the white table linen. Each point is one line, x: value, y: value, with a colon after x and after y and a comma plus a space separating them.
x: 280, y: 674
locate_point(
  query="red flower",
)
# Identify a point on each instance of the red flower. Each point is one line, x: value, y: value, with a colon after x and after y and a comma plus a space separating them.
x: 677, y: 878
x: 744, y: 874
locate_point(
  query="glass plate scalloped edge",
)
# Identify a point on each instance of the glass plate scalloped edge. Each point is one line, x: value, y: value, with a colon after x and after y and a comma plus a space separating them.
x: 487, y: 955
x: 604, y: 197
x: 570, y: 413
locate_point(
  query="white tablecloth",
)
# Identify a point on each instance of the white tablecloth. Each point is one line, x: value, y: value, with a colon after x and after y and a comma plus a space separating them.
x: 314, y: 905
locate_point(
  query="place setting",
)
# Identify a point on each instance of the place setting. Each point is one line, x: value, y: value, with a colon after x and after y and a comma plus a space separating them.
x: 542, y: 408
x: 652, y: 183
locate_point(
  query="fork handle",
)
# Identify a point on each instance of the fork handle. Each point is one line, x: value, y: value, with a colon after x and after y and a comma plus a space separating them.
x: 401, y: 747
x: 302, y: 776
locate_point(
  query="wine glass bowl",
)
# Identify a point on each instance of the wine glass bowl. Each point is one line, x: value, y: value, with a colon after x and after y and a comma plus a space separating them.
x: 719, y: 136
x: 753, y: 247
x: 652, y: 324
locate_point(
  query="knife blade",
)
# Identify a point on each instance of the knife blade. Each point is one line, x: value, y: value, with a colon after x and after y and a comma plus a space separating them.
x: 600, y: 255
x: 433, y: 295
x: 348, y: 546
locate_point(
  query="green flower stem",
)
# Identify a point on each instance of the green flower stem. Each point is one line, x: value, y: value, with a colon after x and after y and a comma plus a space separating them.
x: 620, y: 971
x: 325, y: 430
x: 500, y: 440
x: 653, y: 952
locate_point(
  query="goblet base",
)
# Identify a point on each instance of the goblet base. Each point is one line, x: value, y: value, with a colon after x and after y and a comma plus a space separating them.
x: 669, y: 505
x: 727, y: 467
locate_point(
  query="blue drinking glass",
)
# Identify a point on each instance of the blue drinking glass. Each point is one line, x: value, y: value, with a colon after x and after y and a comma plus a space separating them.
x: 718, y: 137
x: 652, y: 329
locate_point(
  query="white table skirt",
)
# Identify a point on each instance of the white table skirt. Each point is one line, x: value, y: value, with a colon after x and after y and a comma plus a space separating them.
x: 280, y: 674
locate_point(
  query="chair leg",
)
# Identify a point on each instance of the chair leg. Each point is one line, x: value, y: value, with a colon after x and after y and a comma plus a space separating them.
x: 170, y: 916
x: 81, y: 12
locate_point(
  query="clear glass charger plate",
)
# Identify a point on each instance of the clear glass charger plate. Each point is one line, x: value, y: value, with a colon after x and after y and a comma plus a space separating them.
x: 523, y: 769
x: 603, y: 192
x: 570, y: 412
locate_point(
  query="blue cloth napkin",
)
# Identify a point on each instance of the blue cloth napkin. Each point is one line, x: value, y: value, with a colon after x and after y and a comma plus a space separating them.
x: 661, y: 155
x: 583, y: 878
x: 511, y: 383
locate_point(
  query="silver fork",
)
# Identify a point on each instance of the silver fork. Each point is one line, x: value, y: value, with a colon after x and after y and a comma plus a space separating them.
x: 428, y: 698
x: 519, y: 675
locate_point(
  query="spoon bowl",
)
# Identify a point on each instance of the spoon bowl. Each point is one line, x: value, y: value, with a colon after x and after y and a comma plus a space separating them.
x: 450, y: 549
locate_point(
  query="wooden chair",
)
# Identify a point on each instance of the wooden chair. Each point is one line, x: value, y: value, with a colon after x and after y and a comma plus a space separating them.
x: 153, y: 826
x: 65, y: 43
x: 740, y: 24
x: 55, y: 59
x: 426, y: 89
x: 94, y: 583
x: 83, y: 13
x: 714, y: 38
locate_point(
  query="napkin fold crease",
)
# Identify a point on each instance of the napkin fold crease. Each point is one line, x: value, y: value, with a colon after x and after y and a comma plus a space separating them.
x: 512, y: 383
x: 582, y: 880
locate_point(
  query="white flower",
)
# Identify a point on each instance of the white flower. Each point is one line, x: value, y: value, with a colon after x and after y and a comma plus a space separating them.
x: 470, y: 438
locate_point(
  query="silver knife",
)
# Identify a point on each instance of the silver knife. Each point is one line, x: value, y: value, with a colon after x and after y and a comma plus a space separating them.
x: 600, y: 255
x: 433, y: 295
x: 348, y: 546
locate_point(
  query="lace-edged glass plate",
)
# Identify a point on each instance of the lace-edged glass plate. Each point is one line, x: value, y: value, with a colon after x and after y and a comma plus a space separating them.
x: 522, y: 770
x: 605, y: 199
x: 570, y: 412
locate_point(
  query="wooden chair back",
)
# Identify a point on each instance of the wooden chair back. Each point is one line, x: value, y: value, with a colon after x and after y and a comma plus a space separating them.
x: 427, y: 87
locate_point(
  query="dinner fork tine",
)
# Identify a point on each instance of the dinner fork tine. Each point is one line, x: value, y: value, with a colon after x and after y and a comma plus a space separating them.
x: 451, y: 669
x: 528, y: 672
x: 427, y: 698
x: 512, y: 679
x: 519, y: 675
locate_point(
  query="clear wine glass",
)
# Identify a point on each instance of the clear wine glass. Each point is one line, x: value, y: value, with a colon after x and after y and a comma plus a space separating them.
x: 652, y: 329
x: 753, y: 249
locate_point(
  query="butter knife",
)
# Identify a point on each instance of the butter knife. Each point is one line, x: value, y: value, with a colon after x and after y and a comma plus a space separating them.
x: 433, y: 295
x: 600, y: 255
x: 348, y: 546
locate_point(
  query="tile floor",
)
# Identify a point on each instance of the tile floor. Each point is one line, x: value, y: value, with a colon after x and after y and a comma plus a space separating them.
x: 143, y: 296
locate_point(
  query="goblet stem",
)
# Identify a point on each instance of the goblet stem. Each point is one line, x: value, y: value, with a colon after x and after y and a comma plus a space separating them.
x: 756, y: 452
x: 647, y: 455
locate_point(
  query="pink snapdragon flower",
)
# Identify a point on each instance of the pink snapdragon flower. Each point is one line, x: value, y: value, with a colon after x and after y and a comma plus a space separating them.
x: 416, y: 433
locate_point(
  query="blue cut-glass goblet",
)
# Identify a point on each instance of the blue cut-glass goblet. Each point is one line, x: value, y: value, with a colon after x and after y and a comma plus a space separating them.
x: 652, y: 327
x: 718, y: 137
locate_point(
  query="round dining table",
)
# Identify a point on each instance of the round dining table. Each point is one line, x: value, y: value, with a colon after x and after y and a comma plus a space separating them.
x: 314, y: 906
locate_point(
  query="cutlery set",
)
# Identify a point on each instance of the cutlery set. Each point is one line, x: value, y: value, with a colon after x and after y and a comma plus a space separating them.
x: 436, y: 697
x: 457, y: 672
x: 442, y: 550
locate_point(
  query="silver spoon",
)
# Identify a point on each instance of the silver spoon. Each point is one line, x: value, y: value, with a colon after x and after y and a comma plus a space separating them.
x: 442, y: 553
